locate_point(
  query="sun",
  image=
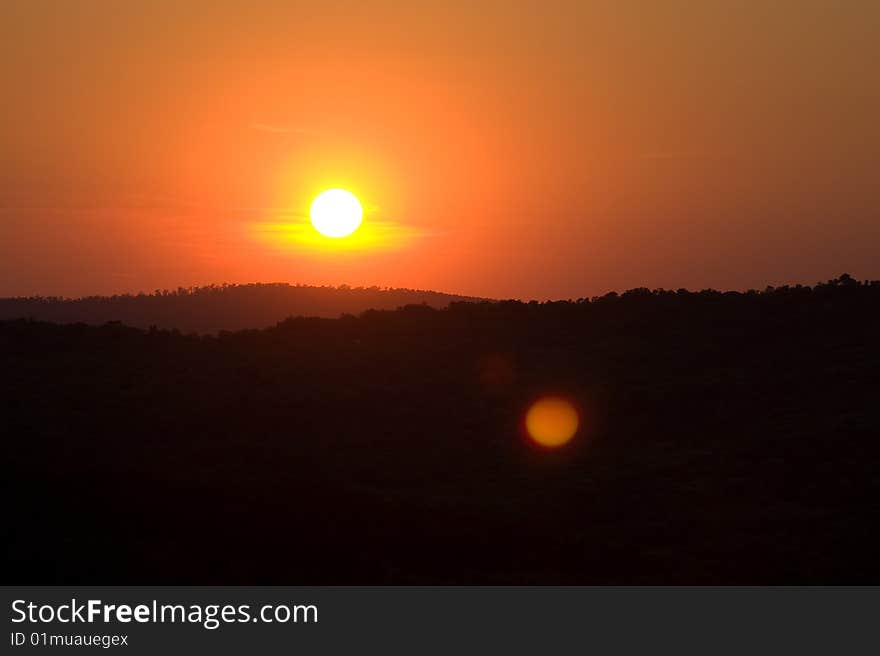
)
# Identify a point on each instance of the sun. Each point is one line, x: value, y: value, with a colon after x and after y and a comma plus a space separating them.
x: 336, y: 213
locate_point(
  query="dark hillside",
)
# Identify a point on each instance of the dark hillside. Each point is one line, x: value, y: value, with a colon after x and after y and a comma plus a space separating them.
x: 727, y: 438
x: 220, y: 307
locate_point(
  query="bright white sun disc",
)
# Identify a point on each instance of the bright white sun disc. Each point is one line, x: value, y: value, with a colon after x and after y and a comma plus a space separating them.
x: 336, y: 213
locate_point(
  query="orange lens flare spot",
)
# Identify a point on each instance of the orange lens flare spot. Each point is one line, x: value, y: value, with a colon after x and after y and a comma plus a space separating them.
x: 552, y: 421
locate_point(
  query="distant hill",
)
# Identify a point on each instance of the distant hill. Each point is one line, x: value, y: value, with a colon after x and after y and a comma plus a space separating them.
x: 221, y: 307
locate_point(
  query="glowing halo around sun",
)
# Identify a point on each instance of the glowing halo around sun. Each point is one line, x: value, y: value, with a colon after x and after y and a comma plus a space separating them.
x: 336, y: 213
x: 551, y: 422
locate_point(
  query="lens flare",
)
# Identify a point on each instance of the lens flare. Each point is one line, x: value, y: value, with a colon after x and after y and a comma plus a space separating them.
x: 496, y: 372
x: 552, y: 421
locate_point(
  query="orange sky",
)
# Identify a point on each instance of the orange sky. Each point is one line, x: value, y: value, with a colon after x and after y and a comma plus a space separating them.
x: 506, y: 149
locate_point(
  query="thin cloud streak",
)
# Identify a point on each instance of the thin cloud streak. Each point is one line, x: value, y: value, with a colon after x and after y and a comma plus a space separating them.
x: 282, y: 129
x: 683, y: 155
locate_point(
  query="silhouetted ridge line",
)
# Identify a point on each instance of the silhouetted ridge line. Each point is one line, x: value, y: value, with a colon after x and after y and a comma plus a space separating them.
x: 220, y: 307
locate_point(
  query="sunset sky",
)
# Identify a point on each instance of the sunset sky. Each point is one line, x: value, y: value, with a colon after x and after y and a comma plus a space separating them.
x: 504, y: 149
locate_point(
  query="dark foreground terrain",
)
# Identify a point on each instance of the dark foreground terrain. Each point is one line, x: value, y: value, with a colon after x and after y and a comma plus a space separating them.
x: 727, y: 438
